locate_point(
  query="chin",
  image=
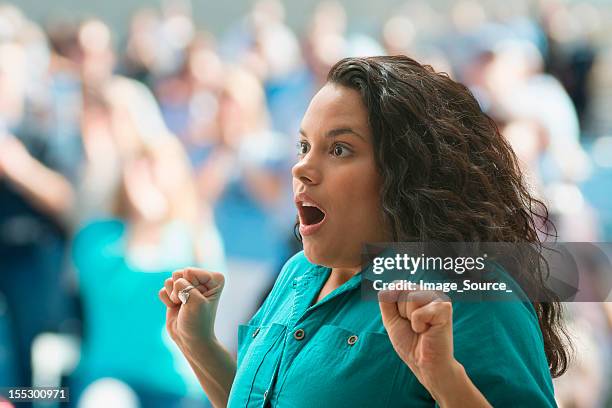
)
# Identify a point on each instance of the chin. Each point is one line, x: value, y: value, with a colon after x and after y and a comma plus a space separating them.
x: 318, y: 254
x: 326, y: 255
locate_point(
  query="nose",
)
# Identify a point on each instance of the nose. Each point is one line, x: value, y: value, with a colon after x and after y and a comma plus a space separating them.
x: 306, y: 171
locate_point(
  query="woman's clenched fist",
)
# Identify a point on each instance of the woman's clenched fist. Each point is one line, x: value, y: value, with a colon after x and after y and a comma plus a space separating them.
x: 420, y: 327
x: 194, y: 321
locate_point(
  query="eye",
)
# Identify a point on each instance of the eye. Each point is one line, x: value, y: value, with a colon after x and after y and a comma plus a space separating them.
x: 339, y: 150
x: 302, y: 147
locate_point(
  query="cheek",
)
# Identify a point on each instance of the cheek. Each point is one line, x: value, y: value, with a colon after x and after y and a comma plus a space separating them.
x: 359, y: 197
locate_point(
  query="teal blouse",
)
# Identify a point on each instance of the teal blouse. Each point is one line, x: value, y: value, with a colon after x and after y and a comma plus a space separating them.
x: 336, y: 353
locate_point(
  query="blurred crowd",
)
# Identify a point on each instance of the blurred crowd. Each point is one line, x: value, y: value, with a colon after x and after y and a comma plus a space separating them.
x: 123, y: 159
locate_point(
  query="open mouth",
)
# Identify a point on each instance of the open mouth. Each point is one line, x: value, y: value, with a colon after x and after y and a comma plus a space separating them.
x: 310, y: 214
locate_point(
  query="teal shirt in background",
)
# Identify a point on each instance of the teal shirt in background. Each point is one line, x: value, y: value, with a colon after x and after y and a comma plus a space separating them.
x: 125, y: 336
x: 337, y: 353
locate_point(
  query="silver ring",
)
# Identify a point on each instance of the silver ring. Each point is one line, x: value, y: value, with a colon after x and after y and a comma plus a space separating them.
x: 183, y: 294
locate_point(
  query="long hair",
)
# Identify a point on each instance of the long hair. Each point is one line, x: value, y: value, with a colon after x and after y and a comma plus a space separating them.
x: 448, y: 173
x: 145, y: 137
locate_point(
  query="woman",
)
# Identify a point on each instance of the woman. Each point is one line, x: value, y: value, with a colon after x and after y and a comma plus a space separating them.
x: 389, y: 151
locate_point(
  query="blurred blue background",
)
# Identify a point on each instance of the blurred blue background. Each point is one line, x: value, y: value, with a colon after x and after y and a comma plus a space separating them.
x: 138, y: 137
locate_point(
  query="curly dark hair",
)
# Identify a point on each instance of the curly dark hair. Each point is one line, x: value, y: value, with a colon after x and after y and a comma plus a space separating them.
x: 448, y: 173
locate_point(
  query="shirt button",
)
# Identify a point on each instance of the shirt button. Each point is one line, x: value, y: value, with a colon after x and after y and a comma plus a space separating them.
x: 352, y: 340
x: 266, y: 394
x: 298, y: 334
x: 256, y: 332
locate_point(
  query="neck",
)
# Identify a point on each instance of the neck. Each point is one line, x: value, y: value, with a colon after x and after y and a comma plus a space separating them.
x: 342, y: 275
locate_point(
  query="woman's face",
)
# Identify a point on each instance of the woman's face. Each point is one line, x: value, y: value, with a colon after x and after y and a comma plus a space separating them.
x: 336, y: 173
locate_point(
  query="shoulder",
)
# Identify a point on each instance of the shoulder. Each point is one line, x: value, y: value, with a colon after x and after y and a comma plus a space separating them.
x: 489, y: 335
x: 512, y: 305
x: 510, y: 324
x: 505, y: 323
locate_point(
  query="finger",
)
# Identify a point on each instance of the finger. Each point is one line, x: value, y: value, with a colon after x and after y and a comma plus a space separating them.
x: 168, y: 286
x: 402, y: 302
x: 197, y: 276
x: 163, y: 296
x: 179, y: 284
x: 195, y: 296
x: 387, y: 300
x: 388, y: 296
x: 209, y: 279
x: 177, y: 274
x: 184, y: 273
x: 409, y: 301
x: 191, y: 277
x: 433, y: 314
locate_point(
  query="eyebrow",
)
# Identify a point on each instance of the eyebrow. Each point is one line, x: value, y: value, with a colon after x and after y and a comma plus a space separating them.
x: 337, y: 132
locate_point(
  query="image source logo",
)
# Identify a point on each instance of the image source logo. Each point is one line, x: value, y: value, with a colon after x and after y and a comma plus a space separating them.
x: 412, y: 264
x: 478, y: 271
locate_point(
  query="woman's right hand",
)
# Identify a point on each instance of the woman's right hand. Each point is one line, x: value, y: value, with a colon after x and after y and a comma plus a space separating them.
x: 193, y: 322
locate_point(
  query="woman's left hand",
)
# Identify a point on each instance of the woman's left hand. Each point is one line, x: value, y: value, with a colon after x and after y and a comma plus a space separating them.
x: 420, y: 326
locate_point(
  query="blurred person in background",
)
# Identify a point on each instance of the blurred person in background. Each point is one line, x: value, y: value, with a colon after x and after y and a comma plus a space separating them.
x: 262, y: 43
x: 157, y: 42
x: 189, y: 99
x: 598, y: 120
x: 118, y: 117
x: 100, y: 172
x: 140, y: 59
x: 570, y: 29
x: 420, y: 30
x: 97, y: 57
x: 244, y: 177
x: 325, y: 41
x: 156, y: 224
x: 39, y: 159
x: 517, y: 87
x: 276, y: 58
